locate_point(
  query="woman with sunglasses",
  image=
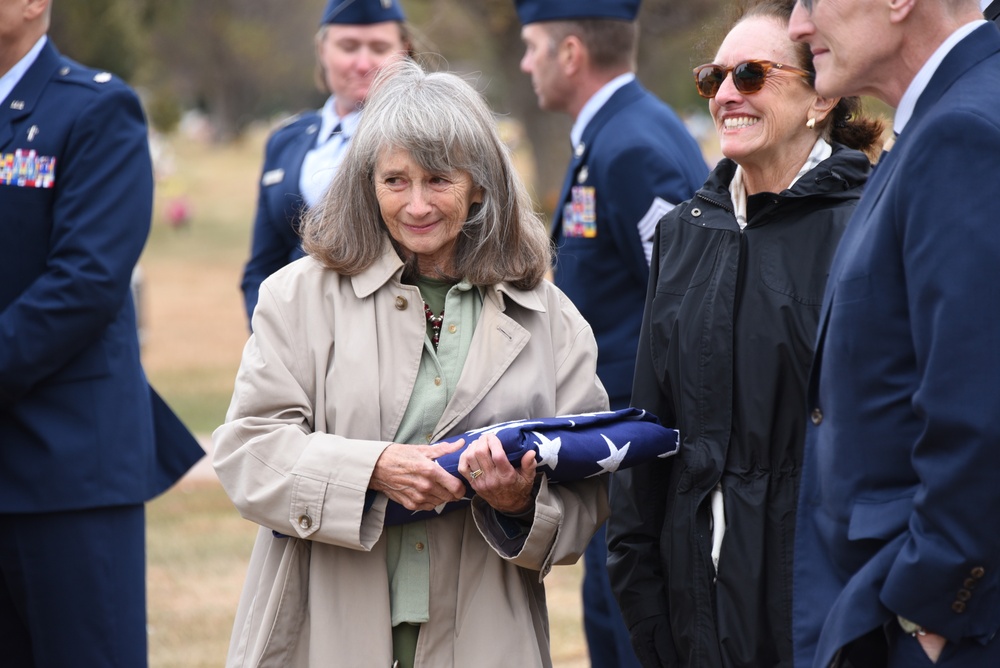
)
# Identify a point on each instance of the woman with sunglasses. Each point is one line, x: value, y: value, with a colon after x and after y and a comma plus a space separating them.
x: 700, y: 545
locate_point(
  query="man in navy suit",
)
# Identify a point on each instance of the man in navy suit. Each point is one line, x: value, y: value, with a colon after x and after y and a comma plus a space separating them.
x: 897, y: 557
x: 356, y: 38
x: 633, y: 160
x: 84, y: 441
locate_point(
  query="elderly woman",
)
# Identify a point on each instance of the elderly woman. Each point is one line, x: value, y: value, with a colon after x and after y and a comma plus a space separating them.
x: 701, y: 544
x: 419, y: 313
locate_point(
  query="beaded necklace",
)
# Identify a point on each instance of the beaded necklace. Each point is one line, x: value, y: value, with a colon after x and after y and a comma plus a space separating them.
x: 435, y: 323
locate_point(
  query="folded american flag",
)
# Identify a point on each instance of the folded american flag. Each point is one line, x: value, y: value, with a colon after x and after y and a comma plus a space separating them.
x: 568, y: 447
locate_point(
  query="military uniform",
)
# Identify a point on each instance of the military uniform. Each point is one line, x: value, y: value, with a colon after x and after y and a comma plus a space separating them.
x: 634, y: 162
x: 84, y: 441
x: 280, y: 203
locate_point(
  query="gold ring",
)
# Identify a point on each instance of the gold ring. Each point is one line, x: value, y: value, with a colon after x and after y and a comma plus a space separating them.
x: 475, y: 474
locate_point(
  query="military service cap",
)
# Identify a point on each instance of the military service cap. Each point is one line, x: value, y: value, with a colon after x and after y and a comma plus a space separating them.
x: 532, y: 11
x: 362, y: 12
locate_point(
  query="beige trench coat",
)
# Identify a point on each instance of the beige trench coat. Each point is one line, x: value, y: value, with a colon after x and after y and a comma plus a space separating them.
x: 321, y: 390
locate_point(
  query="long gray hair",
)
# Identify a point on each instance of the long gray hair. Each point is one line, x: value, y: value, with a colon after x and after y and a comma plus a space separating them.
x: 445, y: 126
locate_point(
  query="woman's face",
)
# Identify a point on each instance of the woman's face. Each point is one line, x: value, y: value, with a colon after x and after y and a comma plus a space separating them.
x: 351, y: 56
x: 423, y: 211
x: 768, y: 127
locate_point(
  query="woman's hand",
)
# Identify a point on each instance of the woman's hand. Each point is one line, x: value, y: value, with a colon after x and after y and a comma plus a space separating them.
x: 507, y: 489
x: 408, y: 475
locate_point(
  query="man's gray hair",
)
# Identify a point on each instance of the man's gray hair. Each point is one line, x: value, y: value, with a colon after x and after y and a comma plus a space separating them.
x: 445, y: 126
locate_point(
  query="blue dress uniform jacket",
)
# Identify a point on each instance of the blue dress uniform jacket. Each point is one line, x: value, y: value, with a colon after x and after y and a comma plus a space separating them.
x: 79, y: 425
x: 634, y: 150
x: 280, y: 204
x: 899, y: 493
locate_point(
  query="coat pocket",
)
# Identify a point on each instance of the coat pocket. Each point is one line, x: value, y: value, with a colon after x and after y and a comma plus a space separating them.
x: 274, y: 627
x: 880, y: 519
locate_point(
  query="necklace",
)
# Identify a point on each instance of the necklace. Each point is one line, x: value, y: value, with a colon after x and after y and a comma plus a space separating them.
x: 435, y: 323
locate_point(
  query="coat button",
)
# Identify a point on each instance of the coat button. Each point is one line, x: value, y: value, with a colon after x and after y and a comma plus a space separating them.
x: 978, y: 572
x: 958, y: 607
x: 969, y: 583
x: 305, y: 521
x: 696, y: 212
x: 452, y: 328
x: 816, y: 416
x: 419, y: 547
x: 437, y: 381
x: 963, y: 595
x: 401, y: 303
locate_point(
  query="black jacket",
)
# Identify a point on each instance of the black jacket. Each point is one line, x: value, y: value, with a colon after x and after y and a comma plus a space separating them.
x: 724, y: 354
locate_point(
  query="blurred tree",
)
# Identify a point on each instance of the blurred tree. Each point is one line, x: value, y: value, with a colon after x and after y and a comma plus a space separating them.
x: 676, y: 36
x: 104, y: 34
x: 237, y: 60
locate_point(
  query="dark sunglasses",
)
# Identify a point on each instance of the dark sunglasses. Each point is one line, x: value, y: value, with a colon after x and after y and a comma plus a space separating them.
x: 748, y: 76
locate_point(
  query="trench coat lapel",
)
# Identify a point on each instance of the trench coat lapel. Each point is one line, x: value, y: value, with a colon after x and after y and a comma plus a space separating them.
x: 496, y: 344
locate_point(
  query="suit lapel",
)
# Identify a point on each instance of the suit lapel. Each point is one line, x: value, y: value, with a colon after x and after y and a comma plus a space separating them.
x: 24, y: 97
x: 293, y: 201
x: 847, y: 248
x: 302, y: 146
x: 978, y: 45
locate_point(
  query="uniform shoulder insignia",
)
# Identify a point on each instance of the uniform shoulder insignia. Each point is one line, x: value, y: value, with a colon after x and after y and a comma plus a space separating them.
x: 286, y: 121
x: 295, y: 118
x: 73, y: 73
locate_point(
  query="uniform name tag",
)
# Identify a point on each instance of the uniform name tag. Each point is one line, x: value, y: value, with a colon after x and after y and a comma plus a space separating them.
x: 272, y: 177
x: 27, y: 169
x: 580, y: 213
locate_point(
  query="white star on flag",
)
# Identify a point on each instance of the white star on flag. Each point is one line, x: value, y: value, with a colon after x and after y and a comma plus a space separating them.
x: 548, y: 450
x: 611, y: 463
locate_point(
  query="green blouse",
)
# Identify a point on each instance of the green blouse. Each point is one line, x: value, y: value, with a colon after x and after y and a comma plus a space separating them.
x: 408, y: 552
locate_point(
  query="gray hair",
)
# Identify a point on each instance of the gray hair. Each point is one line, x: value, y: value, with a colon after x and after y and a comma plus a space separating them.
x: 445, y: 126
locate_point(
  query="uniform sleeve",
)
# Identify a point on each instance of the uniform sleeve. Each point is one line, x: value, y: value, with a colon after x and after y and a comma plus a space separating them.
x: 270, y: 245
x: 638, y: 494
x: 947, y: 574
x: 278, y: 472
x: 644, y: 183
x: 566, y: 514
x: 100, y: 221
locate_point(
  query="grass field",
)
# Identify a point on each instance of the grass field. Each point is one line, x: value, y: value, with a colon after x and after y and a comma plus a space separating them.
x: 194, y: 331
